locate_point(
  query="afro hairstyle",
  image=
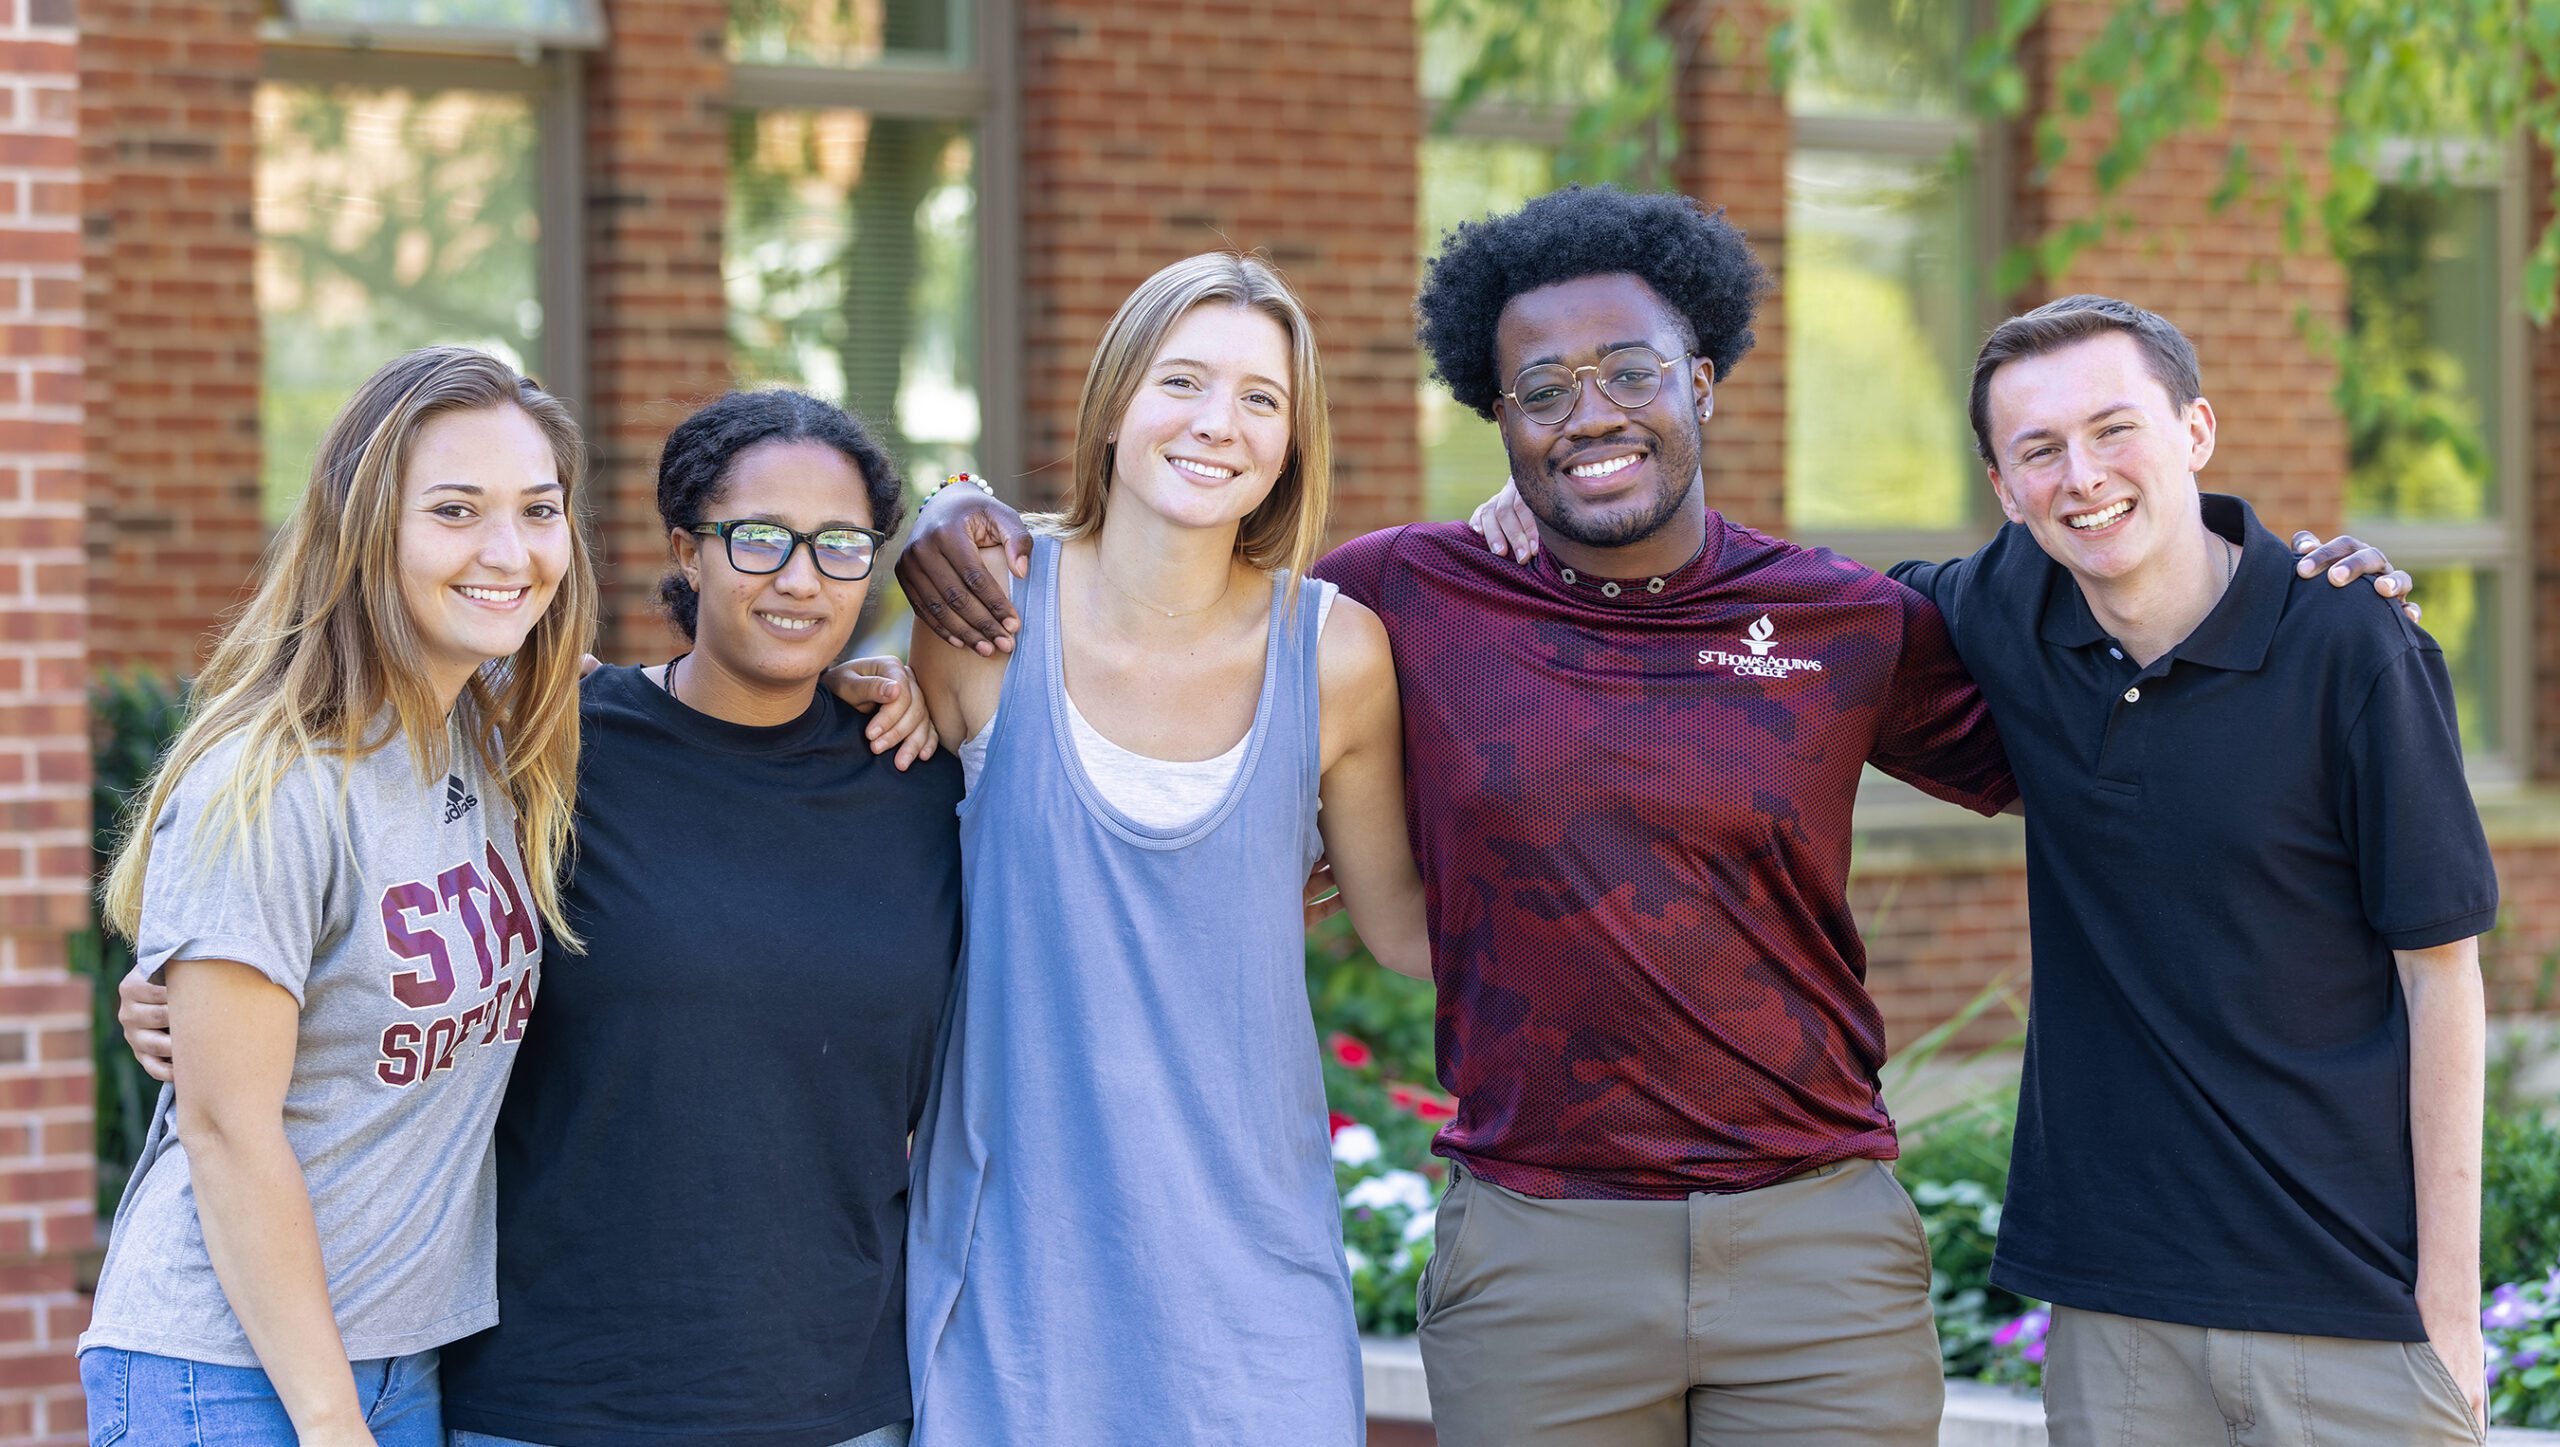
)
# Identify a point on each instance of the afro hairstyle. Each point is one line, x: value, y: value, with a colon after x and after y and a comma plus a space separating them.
x: 1694, y: 259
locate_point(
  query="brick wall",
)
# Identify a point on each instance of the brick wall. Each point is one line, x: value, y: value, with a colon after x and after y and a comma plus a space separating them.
x: 1735, y: 136
x: 1152, y: 131
x: 48, y: 1174
x: 2224, y: 277
x: 657, y: 190
x: 167, y: 155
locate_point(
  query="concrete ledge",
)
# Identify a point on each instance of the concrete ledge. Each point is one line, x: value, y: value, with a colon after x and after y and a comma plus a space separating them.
x: 1978, y: 1414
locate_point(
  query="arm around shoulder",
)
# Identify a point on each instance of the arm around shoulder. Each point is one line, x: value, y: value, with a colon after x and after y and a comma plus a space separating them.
x: 1363, y: 790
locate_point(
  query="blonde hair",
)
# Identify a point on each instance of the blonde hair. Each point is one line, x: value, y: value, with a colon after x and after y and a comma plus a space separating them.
x: 1287, y: 529
x: 326, y: 648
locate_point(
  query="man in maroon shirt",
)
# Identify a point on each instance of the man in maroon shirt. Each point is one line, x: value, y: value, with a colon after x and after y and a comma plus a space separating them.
x: 1630, y: 767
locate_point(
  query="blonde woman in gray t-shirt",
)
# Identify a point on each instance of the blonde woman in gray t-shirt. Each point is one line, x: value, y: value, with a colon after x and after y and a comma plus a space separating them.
x: 337, y: 870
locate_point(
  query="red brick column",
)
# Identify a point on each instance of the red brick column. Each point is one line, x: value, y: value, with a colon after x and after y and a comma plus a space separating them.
x: 168, y: 152
x: 2542, y: 401
x: 1734, y: 139
x: 2224, y: 277
x: 1152, y: 132
x: 48, y: 1169
x: 657, y: 195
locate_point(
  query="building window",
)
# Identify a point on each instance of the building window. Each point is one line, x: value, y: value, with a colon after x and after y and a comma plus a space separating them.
x: 1886, y: 244
x: 855, y: 262
x: 387, y: 219
x: 1467, y: 178
x: 400, y: 201
x: 1494, y: 154
x: 2432, y: 366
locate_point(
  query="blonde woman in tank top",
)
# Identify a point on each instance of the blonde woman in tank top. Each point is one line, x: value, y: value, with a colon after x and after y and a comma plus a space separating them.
x: 1124, y: 1227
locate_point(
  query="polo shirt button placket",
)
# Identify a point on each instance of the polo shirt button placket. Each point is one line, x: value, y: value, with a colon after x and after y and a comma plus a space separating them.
x: 2133, y: 695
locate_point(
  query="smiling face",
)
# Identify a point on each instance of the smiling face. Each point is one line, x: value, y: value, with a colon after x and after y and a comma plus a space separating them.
x: 1206, y: 435
x: 777, y: 630
x: 2092, y: 454
x: 484, y: 537
x: 1605, y: 476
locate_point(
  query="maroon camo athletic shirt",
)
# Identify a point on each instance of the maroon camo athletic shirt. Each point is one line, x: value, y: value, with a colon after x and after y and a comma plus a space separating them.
x: 1631, y: 816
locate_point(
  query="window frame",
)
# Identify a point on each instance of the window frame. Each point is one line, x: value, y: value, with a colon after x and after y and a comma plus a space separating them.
x: 985, y: 89
x: 2499, y: 545
x: 555, y: 80
x: 1987, y: 184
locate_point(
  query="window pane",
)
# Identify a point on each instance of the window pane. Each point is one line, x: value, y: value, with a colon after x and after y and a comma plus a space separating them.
x: 848, y: 32
x: 387, y: 220
x: 2462, y: 615
x: 1879, y: 57
x: 1880, y: 339
x: 2422, y: 388
x: 852, y: 272
x: 1550, y: 51
x: 1467, y: 180
x: 571, y: 20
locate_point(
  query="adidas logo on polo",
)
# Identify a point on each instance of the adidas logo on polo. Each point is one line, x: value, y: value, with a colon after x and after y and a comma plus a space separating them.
x: 458, y: 800
x: 1760, y: 637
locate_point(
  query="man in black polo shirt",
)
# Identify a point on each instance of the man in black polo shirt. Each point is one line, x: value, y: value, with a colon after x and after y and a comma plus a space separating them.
x: 2247, y: 1167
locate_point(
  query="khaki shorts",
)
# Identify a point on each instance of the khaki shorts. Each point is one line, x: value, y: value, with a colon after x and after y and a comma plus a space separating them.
x: 1797, y: 1313
x: 2119, y: 1381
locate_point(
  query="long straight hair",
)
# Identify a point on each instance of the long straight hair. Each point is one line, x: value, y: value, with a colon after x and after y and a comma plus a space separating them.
x: 1286, y: 530
x: 325, y: 662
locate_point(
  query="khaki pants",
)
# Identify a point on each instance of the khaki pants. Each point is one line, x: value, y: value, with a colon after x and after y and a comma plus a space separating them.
x: 1796, y: 1314
x: 2118, y: 1381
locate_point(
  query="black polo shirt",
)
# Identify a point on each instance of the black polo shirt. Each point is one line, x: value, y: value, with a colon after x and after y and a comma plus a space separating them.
x: 2223, y: 850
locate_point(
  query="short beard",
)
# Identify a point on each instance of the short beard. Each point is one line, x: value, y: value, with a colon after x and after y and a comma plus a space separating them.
x: 1633, y: 521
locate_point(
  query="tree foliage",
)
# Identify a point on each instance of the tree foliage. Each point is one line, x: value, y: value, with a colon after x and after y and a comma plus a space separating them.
x: 2412, y: 83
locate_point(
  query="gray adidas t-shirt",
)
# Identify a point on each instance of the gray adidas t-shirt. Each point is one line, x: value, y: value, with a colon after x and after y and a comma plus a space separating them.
x: 405, y: 928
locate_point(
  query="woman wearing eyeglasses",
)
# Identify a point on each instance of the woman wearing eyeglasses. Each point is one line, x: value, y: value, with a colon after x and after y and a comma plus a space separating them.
x: 702, y: 1164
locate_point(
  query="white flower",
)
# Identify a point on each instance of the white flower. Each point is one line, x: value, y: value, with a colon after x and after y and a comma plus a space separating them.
x: 1355, y: 1145
x: 1356, y: 1259
x: 1421, y: 1224
x: 1392, y: 1188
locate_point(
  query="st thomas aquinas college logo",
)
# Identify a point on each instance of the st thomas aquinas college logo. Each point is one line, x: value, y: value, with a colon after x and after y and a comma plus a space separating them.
x: 1760, y: 637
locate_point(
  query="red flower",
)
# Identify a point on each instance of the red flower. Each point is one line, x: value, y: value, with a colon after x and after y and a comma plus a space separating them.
x: 1428, y: 1105
x: 1349, y: 1051
x: 1335, y: 1120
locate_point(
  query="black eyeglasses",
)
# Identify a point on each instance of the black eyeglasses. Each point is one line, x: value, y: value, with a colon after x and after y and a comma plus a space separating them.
x: 1629, y: 376
x: 843, y: 554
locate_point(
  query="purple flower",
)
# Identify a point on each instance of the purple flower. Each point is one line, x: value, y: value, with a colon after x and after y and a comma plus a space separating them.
x: 2526, y: 1358
x: 2028, y: 1327
x: 2507, y: 1309
x: 2493, y: 1361
x: 2034, y: 1353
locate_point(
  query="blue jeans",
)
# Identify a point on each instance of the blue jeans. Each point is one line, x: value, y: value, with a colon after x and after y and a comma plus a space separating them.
x: 893, y: 1435
x: 140, y: 1400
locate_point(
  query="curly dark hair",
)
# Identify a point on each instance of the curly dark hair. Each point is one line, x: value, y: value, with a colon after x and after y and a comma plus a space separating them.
x: 1694, y: 259
x: 694, y: 469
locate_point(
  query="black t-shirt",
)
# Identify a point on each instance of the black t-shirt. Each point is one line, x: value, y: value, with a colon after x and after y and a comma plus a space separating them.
x: 702, y: 1158
x: 2223, y: 850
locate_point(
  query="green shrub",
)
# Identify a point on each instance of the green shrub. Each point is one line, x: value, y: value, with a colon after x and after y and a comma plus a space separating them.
x: 133, y: 718
x: 1355, y: 995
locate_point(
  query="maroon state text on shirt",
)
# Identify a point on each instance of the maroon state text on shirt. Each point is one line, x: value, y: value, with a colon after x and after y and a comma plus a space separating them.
x: 1631, y: 816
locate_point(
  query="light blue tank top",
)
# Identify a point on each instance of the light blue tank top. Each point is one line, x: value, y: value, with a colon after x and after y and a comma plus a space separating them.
x: 1123, y: 1227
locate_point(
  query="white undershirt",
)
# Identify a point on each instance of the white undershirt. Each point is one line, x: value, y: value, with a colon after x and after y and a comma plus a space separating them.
x: 1159, y: 793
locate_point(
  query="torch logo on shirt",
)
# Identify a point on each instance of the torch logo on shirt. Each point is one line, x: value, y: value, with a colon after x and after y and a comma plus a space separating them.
x: 1760, y: 637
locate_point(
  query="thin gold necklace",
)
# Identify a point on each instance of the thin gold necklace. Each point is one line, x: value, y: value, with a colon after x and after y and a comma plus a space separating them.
x: 1105, y: 573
